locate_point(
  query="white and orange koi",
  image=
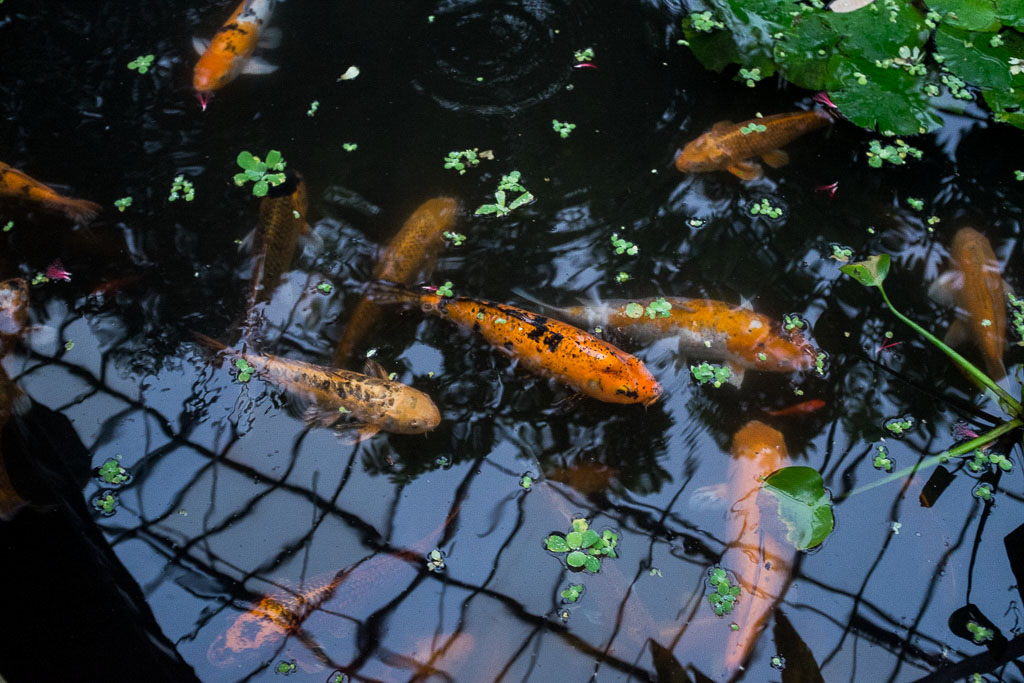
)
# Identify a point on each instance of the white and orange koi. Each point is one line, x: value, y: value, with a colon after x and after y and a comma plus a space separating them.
x: 230, y: 52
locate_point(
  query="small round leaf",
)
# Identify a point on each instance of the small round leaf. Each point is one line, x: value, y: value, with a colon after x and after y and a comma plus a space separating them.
x: 575, y: 559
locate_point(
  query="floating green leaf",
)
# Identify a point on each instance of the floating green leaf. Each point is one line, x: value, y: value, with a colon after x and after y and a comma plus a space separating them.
x: 870, y: 272
x: 804, y: 506
x: 973, y: 15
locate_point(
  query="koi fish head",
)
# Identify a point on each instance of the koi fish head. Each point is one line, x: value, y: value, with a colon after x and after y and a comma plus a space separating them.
x: 413, y: 413
x: 758, y: 442
x: 790, y: 354
x: 703, y: 154
x: 13, y: 306
x: 265, y: 623
x: 213, y: 71
x: 636, y: 383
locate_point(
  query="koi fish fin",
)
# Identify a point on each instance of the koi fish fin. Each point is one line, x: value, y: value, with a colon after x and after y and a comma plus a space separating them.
x: 711, y: 497
x: 351, y: 434
x: 722, y: 127
x: 200, y: 45
x: 317, y: 415
x: 994, y: 368
x: 958, y: 334
x: 248, y: 242
x: 270, y: 38
x: 312, y: 242
x: 374, y: 369
x: 666, y: 665
x: 746, y: 304
x: 209, y: 342
x: 746, y: 170
x: 389, y: 293
x: 942, y: 290
x: 534, y: 300
x: 259, y: 67
x: 736, y: 378
x: 775, y: 158
x: 78, y: 210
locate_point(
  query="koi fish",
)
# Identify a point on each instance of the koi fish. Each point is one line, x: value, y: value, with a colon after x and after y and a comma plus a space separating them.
x: 761, y: 563
x: 548, y: 347
x: 14, y: 183
x: 370, y: 402
x: 798, y: 409
x: 282, y: 220
x: 231, y: 50
x: 707, y: 329
x: 13, y: 322
x: 974, y: 285
x: 410, y: 254
x: 283, y: 613
x: 726, y: 147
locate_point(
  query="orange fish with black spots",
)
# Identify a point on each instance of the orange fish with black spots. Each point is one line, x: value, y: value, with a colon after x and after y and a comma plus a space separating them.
x: 706, y: 328
x: 19, y: 185
x: 231, y: 50
x: 730, y: 146
x: 549, y: 347
x: 410, y: 254
x: 762, y: 563
x: 975, y: 286
x: 282, y: 221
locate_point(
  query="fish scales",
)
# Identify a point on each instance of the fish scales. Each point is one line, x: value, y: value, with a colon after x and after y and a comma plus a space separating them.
x: 982, y: 297
x: 409, y: 254
x: 282, y: 220
x: 19, y: 185
x: 544, y: 345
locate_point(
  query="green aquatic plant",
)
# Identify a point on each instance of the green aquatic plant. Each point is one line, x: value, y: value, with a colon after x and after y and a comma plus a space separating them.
x: 105, y: 502
x: 69, y: 344
x: 141, y: 63
x: 563, y: 128
x: 634, y: 310
x: 111, y: 472
x: 572, y: 593
x: 263, y: 174
x: 979, y: 632
x: 244, y: 370
x: 753, y: 127
x: 584, y: 55
x: 898, y: 426
x: 621, y: 277
x: 123, y: 203
x: 508, y: 183
x: 461, y: 160
x: 841, y: 253
x: 584, y: 546
x: 1017, y: 316
x: 792, y: 322
x: 526, y: 482
x: 915, y: 203
x: 435, y: 561
x: 623, y: 246
x: 765, y: 208
x: 8, y: 226
x: 724, y: 592
x: 706, y: 373
x: 456, y: 238
x: 285, y: 668
x: 181, y: 188
x: 445, y: 289
x: 313, y: 106
x: 324, y: 287
x: 39, y: 279
x: 805, y: 507
x: 882, y: 460
x: 884, y: 65
x: 659, y: 308
x: 894, y: 154
x: 349, y: 146
x: 984, y: 492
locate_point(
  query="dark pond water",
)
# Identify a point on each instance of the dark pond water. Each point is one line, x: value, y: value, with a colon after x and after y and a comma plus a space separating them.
x: 233, y: 498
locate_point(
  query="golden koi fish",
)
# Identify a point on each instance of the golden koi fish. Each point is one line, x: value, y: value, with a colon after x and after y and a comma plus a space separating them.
x: 730, y: 146
x: 13, y: 321
x: 343, y: 399
x: 282, y: 220
x: 16, y: 184
x: 567, y: 354
x: 975, y: 286
x: 707, y: 329
x: 762, y: 563
x: 410, y: 254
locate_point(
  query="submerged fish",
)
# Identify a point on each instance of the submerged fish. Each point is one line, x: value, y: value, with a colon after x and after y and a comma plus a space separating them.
x: 410, y: 254
x: 342, y: 399
x: 730, y: 146
x: 975, y: 286
x: 13, y: 323
x: 798, y: 409
x: 15, y: 184
x: 282, y: 220
x: 13, y: 313
x: 230, y: 52
x: 283, y: 613
x: 707, y: 329
x: 762, y: 563
x: 543, y: 345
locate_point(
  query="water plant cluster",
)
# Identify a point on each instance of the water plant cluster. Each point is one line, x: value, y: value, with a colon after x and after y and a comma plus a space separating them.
x: 891, y: 65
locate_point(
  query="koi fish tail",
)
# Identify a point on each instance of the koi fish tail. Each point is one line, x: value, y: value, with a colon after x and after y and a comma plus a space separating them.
x: 362, y: 319
x: 388, y: 293
x: 78, y: 210
x: 210, y: 343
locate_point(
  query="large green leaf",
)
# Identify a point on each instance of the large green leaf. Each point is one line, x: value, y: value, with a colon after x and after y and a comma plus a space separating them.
x: 870, y: 272
x: 804, y: 506
x: 1011, y: 12
x: 973, y: 15
x: 878, y: 32
x: 886, y: 98
x: 1007, y: 105
x: 802, y: 53
x: 972, y: 57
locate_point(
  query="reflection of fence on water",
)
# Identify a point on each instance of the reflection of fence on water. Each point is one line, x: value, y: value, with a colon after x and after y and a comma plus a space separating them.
x: 861, y: 619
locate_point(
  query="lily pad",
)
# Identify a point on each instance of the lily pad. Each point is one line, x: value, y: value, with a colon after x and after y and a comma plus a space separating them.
x: 870, y: 272
x: 875, y: 97
x: 804, y: 505
x: 973, y: 15
x: 971, y: 56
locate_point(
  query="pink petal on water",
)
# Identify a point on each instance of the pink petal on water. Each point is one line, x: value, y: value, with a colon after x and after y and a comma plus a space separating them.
x: 823, y: 98
x: 585, y: 65
x: 55, y: 271
x: 831, y: 189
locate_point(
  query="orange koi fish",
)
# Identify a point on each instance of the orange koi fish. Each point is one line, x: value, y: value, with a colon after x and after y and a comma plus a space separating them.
x: 730, y: 146
x: 14, y: 183
x: 975, y: 286
x: 546, y: 346
x: 231, y: 50
x: 798, y: 409
x: 410, y: 254
x: 283, y: 613
x: 707, y: 329
x: 13, y: 322
x: 762, y: 563
x: 369, y: 403
x: 282, y: 220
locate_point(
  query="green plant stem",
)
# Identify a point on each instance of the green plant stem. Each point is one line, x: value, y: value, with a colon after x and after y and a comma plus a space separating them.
x: 1015, y: 408
x: 933, y: 460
